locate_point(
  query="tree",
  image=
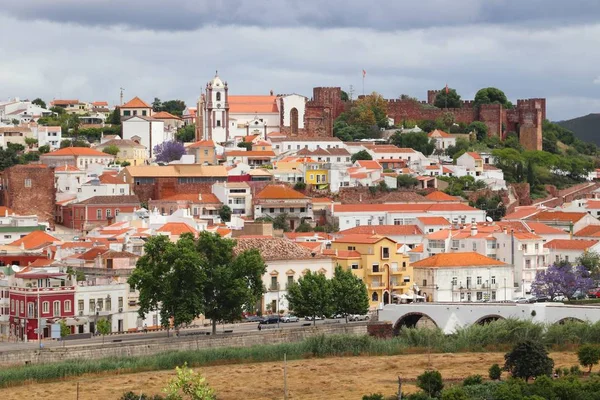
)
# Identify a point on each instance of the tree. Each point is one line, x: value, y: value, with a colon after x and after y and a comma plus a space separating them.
x: 480, y: 129
x: 591, y: 261
x: 170, y: 277
x: 186, y: 133
x: 300, y: 186
x: 73, y: 124
x: 103, y: 327
x: 44, y: 149
x: 418, y: 141
x: 156, y: 105
x: 369, y: 111
x: 528, y: 359
x: 311, y: 296
x: 454, y: 393
x: 495, y: 372
x: 234, y: 281
x: 188, y: 385
x: 361, y: 155
x: 30, y: 142
x: 39, y: 102
x: 491, y: 95
x: 175, y: 107
x: 225, y: 213
x: 447, y: 100
x: 245, y: 145
x: 115, y: 117
x: 473, y: 380
x: 462, y: 144
x: 589, y: 355
x: 566, y: 280
x: 169, y: 151
x: 406, y: 181
x: 111, y: 149
x: 349, y: 293
x: 344, y: 96
x: 431, y: 383
x: 73, y: 143
x: 304, y: 227
x: 65, y: 330
x: 281, y: 222
x: 448, y: 119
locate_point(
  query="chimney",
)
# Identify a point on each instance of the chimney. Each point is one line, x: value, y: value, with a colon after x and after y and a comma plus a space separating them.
x: 474, y: 229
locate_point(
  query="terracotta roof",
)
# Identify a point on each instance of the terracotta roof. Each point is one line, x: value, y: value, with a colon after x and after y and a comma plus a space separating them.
x: 249, y: 138
x: 566, y: 244
x: 346, y: 254
x: 296, y: 235
x: 252, y: 153
x: 432, y: 167
x: 223, y: 232
x: 562, y: 216
x: 439, y: 133
x: 440, y: 196
x: 177, y: 228
x: 434, y: 220
x: 92, y: 253
x: 34, y: 240
x: 409, y: 207
x: 63, y: 102
x: 262, y: 143
x: 100, y: 103
x: 164, y: 115
x: 76, y: 151
x: 67, y: 168
x: 132, y: 199
x: 202, y: 143
x: 361, y: 238
x: 544, y: 229
x: 273, y: 249
x: 454, y: 260
x: 590, y: 231
x: 442, y: 234
x: 476, y: 156
x: 526, y: 236
x: 522, y: 212
x: 279, y: 192
x: 593, y: 204
x: 122, y: 143
x: 252, y: 104
x: 312, y: 246
x: 369, y: 164
x: 417, y: 249
x: 136, y: 102
x: 109, y: 178
x: 118, y: 254
x: 177, y: 171
x: 321, y: 200
x: 489, y: 167
x: 200, y: 198
x: 384, y: 230
x: 4, y: 210
x: 41, y: 262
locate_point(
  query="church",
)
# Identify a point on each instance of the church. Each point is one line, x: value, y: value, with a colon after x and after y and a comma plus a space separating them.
x: 221, y: 117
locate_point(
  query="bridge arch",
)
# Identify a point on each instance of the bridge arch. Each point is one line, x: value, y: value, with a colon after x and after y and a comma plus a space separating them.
x: 411, y: 319
x: 488, y: 318
x: 568, y: 319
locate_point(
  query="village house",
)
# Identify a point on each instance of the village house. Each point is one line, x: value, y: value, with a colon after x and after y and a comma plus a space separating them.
x: 80, y: 157
x: 204, y: 152
x: 276, y: 199
x: 96, y: 211
x: 236, y: 195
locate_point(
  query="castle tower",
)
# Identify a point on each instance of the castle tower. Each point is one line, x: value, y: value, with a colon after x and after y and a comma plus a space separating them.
x: 216, y: 111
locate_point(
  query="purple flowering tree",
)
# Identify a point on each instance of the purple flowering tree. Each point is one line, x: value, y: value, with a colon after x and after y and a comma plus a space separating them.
x: 563, y: 280
x: 168, y: 151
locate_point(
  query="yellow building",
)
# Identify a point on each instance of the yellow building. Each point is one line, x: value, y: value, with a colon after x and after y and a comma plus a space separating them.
x: 204, y: 151
x: 376, y: 260
x: 130, y: 151
x: 316, y: 174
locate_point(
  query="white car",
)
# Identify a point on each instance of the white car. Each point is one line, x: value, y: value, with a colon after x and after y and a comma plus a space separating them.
x: 358, y: 317
x: 289, y: 318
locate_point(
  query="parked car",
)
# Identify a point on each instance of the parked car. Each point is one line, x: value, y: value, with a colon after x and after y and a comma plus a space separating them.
x: 289, y: 318
x: 522, y: 300
x: 358, y: 317
x: 337, y: 316
x: 317, y: 318
x: 253, y: 318
x: 594, y: 293
x: 541, y: 299
x: 271, y: 319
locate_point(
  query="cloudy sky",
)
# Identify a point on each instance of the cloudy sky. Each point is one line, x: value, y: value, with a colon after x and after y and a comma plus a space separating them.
x: 170, y: 49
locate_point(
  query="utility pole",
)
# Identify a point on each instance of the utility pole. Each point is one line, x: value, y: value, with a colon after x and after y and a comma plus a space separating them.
x: 285, y: 392
x: 121, y: 97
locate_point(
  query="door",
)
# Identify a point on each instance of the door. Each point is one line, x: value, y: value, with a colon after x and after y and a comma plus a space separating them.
x: 386, y: 298
x: 120, y: 325
x: 292, y: 224
x: 92, y: 327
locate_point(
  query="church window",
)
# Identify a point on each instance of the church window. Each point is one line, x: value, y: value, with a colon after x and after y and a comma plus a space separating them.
x: 218, y: 123
x: 294, y: 121
x: 218, y: 96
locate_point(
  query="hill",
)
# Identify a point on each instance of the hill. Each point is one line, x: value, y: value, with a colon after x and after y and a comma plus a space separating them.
x: 586, y: 128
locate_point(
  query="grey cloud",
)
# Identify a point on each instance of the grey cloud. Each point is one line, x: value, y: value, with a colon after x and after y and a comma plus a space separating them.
x: 182, y: 15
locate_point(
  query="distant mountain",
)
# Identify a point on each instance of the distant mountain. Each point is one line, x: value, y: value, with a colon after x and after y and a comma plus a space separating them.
x: 586, y: 128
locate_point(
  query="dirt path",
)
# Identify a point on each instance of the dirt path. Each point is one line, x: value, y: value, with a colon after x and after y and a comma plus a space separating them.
x: 329, y: 378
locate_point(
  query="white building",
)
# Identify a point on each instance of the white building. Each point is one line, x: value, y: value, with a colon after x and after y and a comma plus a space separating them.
x: 14, y: 227
x: 570, y: 250
x: 294, y: 144
x: 463, y: 277
x: 48, y: 135
x: 442, y: 139
x: 104, y: 185
x: 21, y: 111
x: 236, y: 195
x: 146, y: 131
x: 68, y: 180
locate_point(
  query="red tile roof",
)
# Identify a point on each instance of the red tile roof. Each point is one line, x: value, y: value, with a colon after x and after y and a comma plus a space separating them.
x: 476, y: 156
x: 589, y: 231
x: 439, y: 133
x: 434, y: 220
x: 252, y: 104
x: 522, y: 212
x: 346, y: 254
x: 454, y: 260
x: 440, y: 196
x: 35, y: 240
x: 177, y: 228
x: 369, y: 164
x: 562, y: 216
x: 252, y: 153
x: 383, y: 230
x: 408, y: 207
x: 63, y: 102
x: 108, y: 178
x: 76, y: 151
x: 202, y: 143
x: 67, y: 168
x: 136, y: 102
x: 566, y: 244
x: 279, y: 192
x: 164, y: 115
x: 92, y: 253
x: 360, y: 238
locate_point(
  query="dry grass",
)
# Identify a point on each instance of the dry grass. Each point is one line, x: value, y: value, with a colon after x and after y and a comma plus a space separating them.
x: 324, y: 378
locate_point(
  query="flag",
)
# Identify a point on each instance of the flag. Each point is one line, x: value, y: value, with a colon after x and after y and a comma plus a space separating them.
x: 447, y: 90
x: 364, y: 73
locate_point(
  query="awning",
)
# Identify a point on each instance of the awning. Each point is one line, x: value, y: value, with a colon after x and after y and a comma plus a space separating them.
x: 73, y: 321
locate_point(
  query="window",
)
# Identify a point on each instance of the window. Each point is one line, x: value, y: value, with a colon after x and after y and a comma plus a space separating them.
x: 12, y: 305
x: 46, y: 307
x: 67, y: 306
x: 354, y: 266
x: 302, y: 209
x: 375, y: 297
x: 7, y: 236
x: 120, y: 302
x: 273, y: 283
x: 79, y: 305
x: 291, y: 209
x: 100, y: 303
x: 92, y: 305
x: 493, y: 295
x: 454, y: 281
x: 468, y: 282
x: 218, y: 123
x: 30, y: 310
x: 376, y: 268
x: 282, y: 210
x: 22, y: 307
x: 474, y: 246
x: 67, y: 188
x: 479, y: 295
x: 479, y: 280
x: 56, y: 308
x: 312, y: 177
x: 455, y: 244
x: 557, y: 258
x: 290, y: 280
x: 218, y: 96
x: 117, y: 211
x: 537, y: 247
x: 27, y: 183
x: 108, y: 305
x: 205, y: 152
x: 271, y: 210
x: 424, y: 282
x: 357, y: 222
x: 468, y: 296
x: 351, y: 248
x: 462, y: 296
x: 524, y: 248
x: 385, y: 252
x: 134, y: 112
x: 493, y: 279
x: 98, y: 214
x: 528, y: 263
x: 108, y: 213
x: 567, y: 258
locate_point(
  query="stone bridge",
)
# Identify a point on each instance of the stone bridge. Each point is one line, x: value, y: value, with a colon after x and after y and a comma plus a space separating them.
x: 450, y: 316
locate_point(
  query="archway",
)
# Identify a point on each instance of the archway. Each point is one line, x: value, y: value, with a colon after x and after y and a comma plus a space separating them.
x: 414, y: 320
x: 568, y: 320
x: 294, y: 121
x: 488, y: 318
x: 386, y: 298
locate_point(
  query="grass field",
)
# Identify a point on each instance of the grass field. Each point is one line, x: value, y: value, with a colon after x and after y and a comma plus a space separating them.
x: 311, y: 379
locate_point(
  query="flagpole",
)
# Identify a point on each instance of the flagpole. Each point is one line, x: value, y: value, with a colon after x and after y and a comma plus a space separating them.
x: 363, y: 83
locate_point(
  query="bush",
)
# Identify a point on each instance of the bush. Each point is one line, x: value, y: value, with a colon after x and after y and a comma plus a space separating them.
x: 134, y: 396
x: 374, y: 396
x: 418, y: 396
x: 300, y: 186
x: 454, y: 393
x: 575, y: 370
x: 431, y: 383
x: 528, y: 359
x: 473, y: 380
x: 495, y: 372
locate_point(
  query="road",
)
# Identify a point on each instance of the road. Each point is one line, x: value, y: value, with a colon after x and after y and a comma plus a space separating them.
x: 242, y: 327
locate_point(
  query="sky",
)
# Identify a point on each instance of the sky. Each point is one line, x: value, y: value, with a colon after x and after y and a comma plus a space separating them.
x: 170, y: 49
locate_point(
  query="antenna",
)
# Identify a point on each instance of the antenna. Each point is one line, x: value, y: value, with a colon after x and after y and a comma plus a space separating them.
x: 121, y: 96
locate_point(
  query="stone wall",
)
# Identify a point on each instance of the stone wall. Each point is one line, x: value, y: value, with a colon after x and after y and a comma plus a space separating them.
x: 155, y: 346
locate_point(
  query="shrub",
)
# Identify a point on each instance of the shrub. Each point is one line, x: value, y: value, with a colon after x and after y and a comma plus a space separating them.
x: 418, y: 396
x: 473, y: 380
x: 454, y: 393
x: 374, y: 396
x: 431, y: 383
x: 528, y: 359
x: 575, y: 370
x: 589, y: 355
x: 300, y: 186
x: 495, y: 372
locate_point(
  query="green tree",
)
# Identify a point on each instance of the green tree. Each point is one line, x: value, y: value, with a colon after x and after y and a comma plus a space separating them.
x: 39, y: 102
x: 480, y: 129
x: 528, y: 359
x: 103, y: 327
x: 175, y: 107
x: 300, y: 186
x: 491, y: 95
x: 186, y: 133
x: 589, y: 355
x: 44, y: 149
x: 462, y: 145
x: 311, y: 296
x: 225, y: 213
x: 406, y: 181
x: 115, y: 117
x: 591, y: 261
x: 344, y: 96
x: 73, y: 143
x: 431, y: 383
x: 454, y: 393
x: 473, y: 380
x: 349, y: 293
x: 448, y: 119
x: 369, y: 111
x: 188, y: 385
x: 156, y: 105
x: 245, y: 145
x: 447, y: 100
x: 73, y: 124
x: 495, y: 372
x: 361, y: 155
x: 281, y: 222
x: 170, y: 277
x: 418, y: 141
x: 304, y: 227
x: 65, y: 330
x: 111, y: 149
x: 234, y: 281
x: 30, y: 142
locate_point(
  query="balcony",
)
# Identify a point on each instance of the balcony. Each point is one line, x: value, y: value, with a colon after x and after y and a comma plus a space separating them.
x: 377, y: 285
x: 376, y: 271
x: 398, y: 284
x: 397, y: 271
